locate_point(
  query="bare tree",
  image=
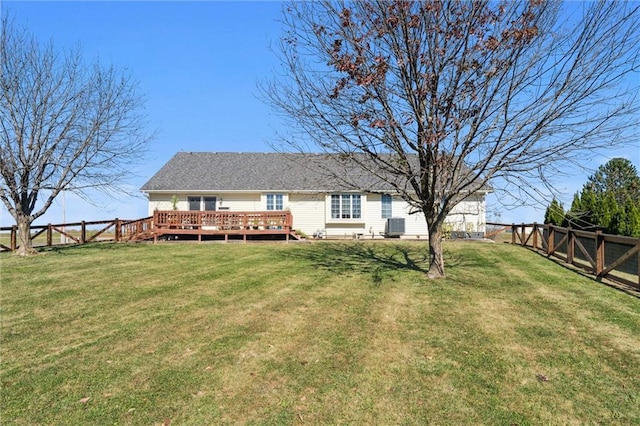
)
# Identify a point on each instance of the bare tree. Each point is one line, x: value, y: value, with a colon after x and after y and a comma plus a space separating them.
x: 64, y: 125
x: 440, y: 98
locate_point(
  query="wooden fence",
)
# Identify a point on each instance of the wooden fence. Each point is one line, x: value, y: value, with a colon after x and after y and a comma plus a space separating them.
x: 603, y: 255
x: 162, y: 223
x: 80, y: 232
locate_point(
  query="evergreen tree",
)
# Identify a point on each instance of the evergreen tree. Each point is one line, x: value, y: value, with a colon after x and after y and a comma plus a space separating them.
x: 555, y: 213
x: 626, y: 221
x: 605, y: 210
x: 579, y: 216
x: 617, y: 177
x: 609, y: 200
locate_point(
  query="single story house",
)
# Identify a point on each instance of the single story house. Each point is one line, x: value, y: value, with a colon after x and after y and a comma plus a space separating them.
x: 320, y: 206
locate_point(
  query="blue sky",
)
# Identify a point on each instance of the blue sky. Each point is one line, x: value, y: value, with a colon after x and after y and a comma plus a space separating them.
x: 198, y: 64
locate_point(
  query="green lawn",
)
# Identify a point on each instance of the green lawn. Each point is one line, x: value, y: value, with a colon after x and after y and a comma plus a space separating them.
x: 323, y: 333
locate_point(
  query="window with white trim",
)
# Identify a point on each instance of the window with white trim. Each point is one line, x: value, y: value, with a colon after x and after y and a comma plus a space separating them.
x: 346, y: 206
x: 275, y: 202
x: 387, y: 211
x: 210, y: 203
x: 197, y: 203
x: 194, y: 203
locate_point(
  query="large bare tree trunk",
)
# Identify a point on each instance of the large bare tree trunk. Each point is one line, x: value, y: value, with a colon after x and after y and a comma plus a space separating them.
x: 25, y: 247
x: 436, y: 260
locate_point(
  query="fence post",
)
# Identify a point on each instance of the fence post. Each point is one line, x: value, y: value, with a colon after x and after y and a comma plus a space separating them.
x: 570, y: 245
x: 535, y: 235
x: 14, y: 238
x: 551, y: 240
x: 83, y: 232
x: 523, y: 235
x: 599, y: 252
x: 118, y: 231
x: 513, y: 233
x: 49, y: 235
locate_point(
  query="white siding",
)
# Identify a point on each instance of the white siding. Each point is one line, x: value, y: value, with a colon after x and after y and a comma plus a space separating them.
x: 375, y: 222
x: 469, y: 215
x: 415, y: 224
x: 308, y: 211
x: 312, y: 213
x: 238, y: 201
x: 241, y: 202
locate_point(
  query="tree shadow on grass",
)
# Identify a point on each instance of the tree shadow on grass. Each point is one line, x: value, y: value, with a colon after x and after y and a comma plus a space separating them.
x: 370, y: 257
x: 383, y: 260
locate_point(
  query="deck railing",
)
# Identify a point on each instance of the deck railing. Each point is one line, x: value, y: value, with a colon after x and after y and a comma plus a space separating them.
x: 223, y: 220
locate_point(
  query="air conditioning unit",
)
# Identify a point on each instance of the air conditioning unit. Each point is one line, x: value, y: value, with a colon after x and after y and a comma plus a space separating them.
x: 394, y: 227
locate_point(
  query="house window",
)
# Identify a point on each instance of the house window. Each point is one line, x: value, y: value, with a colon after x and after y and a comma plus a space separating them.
x: 346, y: 206
x: 210, y: 203
x: 386, y: 206
x: 194, y: 203
x: 275, y: 202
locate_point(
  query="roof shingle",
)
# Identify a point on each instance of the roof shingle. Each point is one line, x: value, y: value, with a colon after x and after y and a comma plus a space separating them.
x: 239, y: 171
x: 252, y: 171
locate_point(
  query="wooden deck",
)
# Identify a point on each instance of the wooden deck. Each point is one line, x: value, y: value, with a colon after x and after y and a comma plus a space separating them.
x: 168, y: 223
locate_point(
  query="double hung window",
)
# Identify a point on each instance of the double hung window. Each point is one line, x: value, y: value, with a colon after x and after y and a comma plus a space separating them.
x: 275, y: 202
x: 386, y: 206
x: 210, y: 203
x: 194, y: 203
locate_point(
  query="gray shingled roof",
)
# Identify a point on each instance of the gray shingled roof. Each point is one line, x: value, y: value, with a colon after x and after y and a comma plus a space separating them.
x: 241, y: 171
x: 251, y: 171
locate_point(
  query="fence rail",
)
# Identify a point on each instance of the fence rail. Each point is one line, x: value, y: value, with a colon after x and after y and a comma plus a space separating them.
x: 162, y: 223
x: 80, y: 232
x: 604, y: 255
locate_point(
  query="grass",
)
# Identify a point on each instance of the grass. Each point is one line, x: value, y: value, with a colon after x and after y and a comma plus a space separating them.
x: 323, y: 333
